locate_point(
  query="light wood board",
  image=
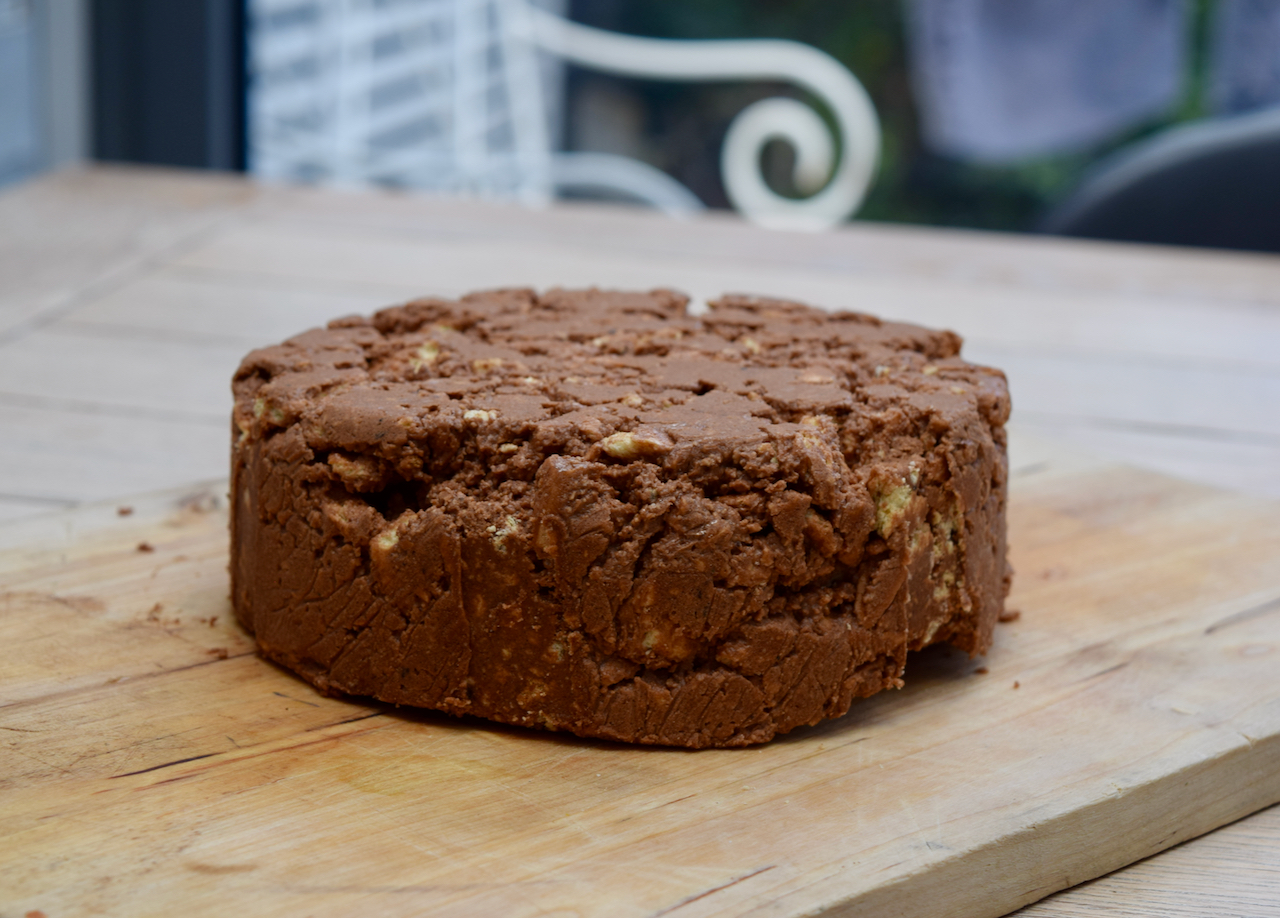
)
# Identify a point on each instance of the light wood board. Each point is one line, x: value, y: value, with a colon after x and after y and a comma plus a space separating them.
x: 1188, y: 881
x: 153, y: 765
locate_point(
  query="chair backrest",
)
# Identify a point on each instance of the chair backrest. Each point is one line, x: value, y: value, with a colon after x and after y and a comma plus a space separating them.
x: 1213, y: 183
x: 430, y: 94
x: 452, y: 95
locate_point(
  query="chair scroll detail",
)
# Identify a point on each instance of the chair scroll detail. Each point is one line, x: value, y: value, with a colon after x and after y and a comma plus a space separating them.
x: 833, y: 196
x: 453, y: 96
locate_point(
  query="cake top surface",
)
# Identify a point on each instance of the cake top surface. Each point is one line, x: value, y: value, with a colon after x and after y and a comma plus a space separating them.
x: 604, y: 374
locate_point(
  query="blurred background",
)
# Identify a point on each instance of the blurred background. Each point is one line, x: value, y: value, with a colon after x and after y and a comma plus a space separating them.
x: 1131, y: 119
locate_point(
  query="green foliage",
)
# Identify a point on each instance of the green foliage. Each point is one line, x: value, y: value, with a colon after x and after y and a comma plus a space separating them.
x: 913, y: 184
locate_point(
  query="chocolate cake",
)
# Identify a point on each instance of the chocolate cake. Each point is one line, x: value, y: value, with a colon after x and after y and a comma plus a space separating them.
x: 592, y: 511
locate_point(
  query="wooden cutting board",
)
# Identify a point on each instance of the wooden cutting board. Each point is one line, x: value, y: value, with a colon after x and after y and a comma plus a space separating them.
x: 152, y: 765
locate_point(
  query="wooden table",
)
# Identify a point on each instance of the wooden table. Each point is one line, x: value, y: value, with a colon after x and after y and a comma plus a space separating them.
x: 128, y: 296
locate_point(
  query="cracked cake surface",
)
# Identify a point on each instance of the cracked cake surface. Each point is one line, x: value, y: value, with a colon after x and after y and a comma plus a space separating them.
x: 594, y: 512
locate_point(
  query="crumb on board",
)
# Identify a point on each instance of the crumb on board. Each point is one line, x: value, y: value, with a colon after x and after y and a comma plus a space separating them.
x: 1017, y: 684
x: 1010, y: 615
x: 146, y: 546
x: 218, y: 653
x: 124, y: 511
x: 982, y: 670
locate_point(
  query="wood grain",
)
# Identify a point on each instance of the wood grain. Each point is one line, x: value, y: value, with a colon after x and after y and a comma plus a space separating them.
x: 59, y: 451
x: 1026, y: 263
x: 120, y: 276
x: 156, y: 760
x: 1187, y: 881
x: 78, y: 233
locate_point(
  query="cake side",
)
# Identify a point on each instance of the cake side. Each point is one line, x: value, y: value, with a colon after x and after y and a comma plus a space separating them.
x: 588, y: 511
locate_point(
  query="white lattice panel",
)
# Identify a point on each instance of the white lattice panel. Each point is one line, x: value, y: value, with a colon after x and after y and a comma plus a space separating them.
x: 436, y: 94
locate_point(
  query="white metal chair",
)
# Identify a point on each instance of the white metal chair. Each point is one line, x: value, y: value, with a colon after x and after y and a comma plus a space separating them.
x: 455, y: 96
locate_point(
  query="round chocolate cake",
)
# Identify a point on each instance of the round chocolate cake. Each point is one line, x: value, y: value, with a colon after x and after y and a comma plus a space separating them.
x: 592, y: 511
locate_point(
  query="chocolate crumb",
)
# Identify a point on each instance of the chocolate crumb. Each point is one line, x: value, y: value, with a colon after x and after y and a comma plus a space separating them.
x: 1017, y: 684
x: 982, y: 670
x: 124, y: 511
x: 146, y: 546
